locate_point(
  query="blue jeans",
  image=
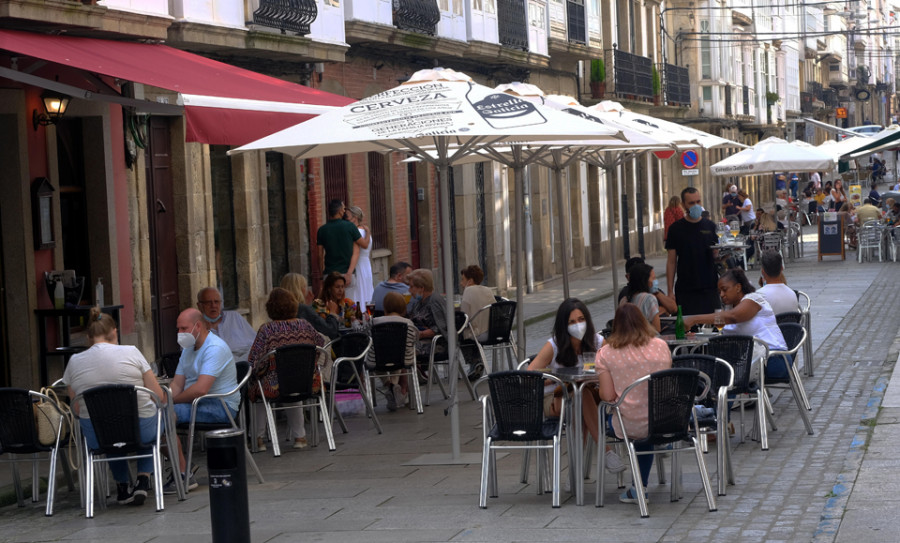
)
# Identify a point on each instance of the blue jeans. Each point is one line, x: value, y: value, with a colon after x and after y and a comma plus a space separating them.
x: 645, y: 461
x: 775, y: 368
x: 207, y: 411
x: 120, y: 468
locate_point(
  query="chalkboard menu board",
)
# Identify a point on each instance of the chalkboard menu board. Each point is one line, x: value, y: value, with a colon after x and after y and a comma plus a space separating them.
x: 831, y: 235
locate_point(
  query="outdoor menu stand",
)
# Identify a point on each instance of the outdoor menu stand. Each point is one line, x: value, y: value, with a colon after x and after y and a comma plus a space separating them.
x: 831, y: 236
x: 64, y: 332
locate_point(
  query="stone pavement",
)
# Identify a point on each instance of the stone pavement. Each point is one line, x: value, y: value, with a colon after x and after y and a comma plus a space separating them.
x: 840, y: 484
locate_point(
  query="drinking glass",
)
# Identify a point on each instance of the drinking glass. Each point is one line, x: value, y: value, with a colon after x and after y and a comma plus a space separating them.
x: 719, y: 320
x: 735, y: 228
x: 587, y: 360
x: 370, y: 308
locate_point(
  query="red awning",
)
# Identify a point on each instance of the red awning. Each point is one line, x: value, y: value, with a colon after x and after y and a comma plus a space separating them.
x: 186, y: 73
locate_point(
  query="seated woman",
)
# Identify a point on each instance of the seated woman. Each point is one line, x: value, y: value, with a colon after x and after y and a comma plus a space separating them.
x: 108, y: 363
x: 631, y: 351
x: 573, y: 335
x: 396, y: 386
x: 851, y: 223
x: 475, y: 296
x: 427, y: 311
x: 332, y: 301
x: 284, y: 328
x: 751, y: 315
x: 641, y: 280
x: 296, y: 285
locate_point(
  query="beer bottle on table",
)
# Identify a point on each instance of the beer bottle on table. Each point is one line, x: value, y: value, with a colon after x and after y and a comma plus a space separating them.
x: 679, y: 325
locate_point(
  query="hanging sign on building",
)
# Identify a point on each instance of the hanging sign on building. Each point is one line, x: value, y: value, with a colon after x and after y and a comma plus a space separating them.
x: 840, y: 113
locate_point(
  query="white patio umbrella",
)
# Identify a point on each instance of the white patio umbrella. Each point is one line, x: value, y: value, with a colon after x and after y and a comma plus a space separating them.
x: 663, y: 128
x: 774, y: 155
x: 444, y: 110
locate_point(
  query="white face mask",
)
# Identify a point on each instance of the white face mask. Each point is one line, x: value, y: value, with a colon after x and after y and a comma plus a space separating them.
x: 186, y: 340
x: 577, y: 330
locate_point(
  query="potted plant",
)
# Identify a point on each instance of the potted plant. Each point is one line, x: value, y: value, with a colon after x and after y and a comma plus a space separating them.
x: 772, y: 97
x: 656, y: 85
x: 598, y: 78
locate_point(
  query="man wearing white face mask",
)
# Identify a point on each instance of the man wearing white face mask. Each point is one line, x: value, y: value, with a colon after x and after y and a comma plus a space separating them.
x: 206, y: 366
x: 692, y: 258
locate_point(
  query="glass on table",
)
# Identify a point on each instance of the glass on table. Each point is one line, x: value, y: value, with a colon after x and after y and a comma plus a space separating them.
x: 370, y: 308
x: 587, y: 360
x: 735, y: 228
x: 719, y: 320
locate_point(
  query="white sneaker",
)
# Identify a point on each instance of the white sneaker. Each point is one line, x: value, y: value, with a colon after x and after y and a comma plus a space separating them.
x: 401, y: 398
x: 614, y: 464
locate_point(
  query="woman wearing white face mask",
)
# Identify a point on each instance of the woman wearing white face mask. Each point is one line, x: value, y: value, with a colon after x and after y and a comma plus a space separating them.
x: 573, y: 334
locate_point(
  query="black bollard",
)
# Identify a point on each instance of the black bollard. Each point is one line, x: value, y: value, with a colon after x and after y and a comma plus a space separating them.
x: 229, y: 507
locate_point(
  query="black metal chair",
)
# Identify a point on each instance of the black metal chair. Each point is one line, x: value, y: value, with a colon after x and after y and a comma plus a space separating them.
x: 441, y: 356
x: 296, y: 367
x: 389, y: 356
x: 501, y: 318
x: 780, y: 361
x: 19, y: 436
x: 513, y: 413
x: 242, y: 370
x: 789, y: 316
x: 350, y: 351
x: 114, y: 416
x: 738, y: 352
x: 721, y: 377
x: 671, y: 396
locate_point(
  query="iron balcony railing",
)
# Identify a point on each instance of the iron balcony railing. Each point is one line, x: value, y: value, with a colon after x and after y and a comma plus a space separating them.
x: 286, y: 15
x: 814, y: 88
x: 513, y: 24
x: 419, y: 16
x: 633, y: 75
x: 677, y: 85
x: 830, y: 97
x: 806, y: 102
x: 575, y: 18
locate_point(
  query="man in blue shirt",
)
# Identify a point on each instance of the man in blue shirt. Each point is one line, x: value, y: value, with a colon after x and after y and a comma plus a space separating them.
x: 206, y: 367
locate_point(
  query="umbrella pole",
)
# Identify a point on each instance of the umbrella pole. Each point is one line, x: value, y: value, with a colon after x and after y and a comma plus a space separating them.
x: 563, y: 236
x: 447, y: 267
x: 611, y: 202
x: 520, y: 261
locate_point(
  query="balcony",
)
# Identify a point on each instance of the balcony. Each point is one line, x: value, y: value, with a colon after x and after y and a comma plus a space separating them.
x: 419, y: 16
x: 286, y: 15
x: 633, y: 75
x: 815, y: 89
x: 513, y: 24
x: 677, y: 85
x: 830, y: 97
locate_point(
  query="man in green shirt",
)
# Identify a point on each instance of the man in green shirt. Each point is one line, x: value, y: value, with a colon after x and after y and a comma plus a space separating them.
x: 338, y: 250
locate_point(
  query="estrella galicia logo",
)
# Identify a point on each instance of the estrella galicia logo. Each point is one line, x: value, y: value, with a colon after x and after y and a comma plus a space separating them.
x: 502, y: 110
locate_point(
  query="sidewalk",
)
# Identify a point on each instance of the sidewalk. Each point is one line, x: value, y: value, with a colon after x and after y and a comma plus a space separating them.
x: 840, y: 484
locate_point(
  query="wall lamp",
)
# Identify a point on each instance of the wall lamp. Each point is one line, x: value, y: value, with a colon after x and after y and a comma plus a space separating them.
x: 55, y: 106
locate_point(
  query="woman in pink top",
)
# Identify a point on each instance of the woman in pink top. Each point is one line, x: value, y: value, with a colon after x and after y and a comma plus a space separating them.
x: 630, y: 352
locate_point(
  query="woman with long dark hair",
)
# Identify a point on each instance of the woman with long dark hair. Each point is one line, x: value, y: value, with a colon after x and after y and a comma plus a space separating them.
x: 332, y: 300
x: 641, y: 280
x: 573, y: 335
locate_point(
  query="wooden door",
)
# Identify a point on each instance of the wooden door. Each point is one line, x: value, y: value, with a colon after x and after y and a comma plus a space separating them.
x: 4, y: 357
x: 161, y: 218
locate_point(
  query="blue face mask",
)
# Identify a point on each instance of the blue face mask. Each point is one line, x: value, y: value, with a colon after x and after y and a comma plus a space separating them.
x: 654, y: 287
x: 696, y: 211
x: 217, y: 319
x: 417, y: 298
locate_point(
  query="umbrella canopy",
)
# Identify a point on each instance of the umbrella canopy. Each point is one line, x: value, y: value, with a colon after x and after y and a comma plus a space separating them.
x: 774, y: 155
x: 447, y: 111
x: 663, y: 129
x: 886, y: 139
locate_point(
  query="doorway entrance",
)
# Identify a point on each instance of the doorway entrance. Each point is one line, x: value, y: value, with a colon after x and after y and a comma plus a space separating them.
x: 161, y: 217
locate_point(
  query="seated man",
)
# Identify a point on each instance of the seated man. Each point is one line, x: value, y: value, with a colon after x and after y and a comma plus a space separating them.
x: 206, y: 367
x: 397, y: 282
x: 781, y: 297
x: 231, y: 326
x: 868, y: 212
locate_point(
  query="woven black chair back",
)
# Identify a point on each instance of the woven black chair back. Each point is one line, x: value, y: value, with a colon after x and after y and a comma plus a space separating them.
x: 296, y: 368
x: 114, y: 415
x: 389, y: 345
x: 349, y: 346
x: 718, y: 375
x: 517, y: 398
x: 18, y: 433
x: 440, y: 353
x: 790, y: 316
x: 792, y: 332
x: 500, y: 322
x: 670, y: 400
x: 737, y: 351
